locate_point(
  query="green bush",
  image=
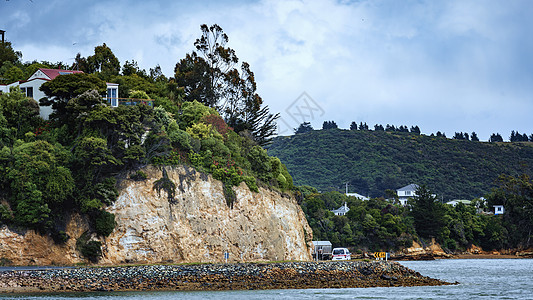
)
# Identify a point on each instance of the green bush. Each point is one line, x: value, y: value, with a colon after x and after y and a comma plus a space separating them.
x: 138, y: 176
x: 92, y: 250
x: 229, y: 194
x: 164, y: 183
x: 180, y: 139
x: 60, y: 237
x: 6, y: 216
x: 251, y: 183
x: 104, y: 223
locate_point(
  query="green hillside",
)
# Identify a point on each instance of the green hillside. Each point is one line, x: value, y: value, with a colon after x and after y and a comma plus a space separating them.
x: 374, y: 161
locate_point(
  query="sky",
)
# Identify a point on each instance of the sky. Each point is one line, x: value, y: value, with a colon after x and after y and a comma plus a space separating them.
x: 449, y: 66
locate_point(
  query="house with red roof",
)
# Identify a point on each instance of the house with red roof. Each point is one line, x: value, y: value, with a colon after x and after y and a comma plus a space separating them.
x: 30, y: 87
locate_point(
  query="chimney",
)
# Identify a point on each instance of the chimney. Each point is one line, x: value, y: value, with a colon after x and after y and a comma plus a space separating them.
x: 2, y: 33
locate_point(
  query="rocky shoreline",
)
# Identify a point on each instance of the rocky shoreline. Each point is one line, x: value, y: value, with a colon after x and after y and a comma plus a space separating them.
x: 242, y: 276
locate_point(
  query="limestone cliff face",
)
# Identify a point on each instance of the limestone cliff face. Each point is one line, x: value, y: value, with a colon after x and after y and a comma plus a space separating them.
x: 196, y: 225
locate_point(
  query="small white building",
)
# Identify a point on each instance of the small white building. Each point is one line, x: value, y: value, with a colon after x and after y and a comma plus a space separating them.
x: 455, y: 202
x: 499, y: 209
x: 406, y: 192
x: 341, y: 211
x: 30, y: 87
x: 356, y: 195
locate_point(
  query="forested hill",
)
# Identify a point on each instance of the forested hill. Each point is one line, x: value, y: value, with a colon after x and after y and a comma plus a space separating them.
x: 374, y: 161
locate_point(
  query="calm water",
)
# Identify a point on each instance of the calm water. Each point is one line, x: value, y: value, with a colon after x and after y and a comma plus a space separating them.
x: 479, y: 278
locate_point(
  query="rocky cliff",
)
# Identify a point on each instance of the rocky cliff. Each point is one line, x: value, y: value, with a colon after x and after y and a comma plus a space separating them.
x: 193, y: 225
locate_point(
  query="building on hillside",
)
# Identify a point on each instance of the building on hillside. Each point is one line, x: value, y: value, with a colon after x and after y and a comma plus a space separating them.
x: 356, y: 195
x: 341, y: 211
x: 499, y: 209
x: 455, y: 202
x: 406, y: 192
x: 30, y: 87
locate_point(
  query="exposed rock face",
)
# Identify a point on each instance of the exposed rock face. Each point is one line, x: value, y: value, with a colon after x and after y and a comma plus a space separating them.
x: 30, y: 248
x: 196, y: 225
x: 416, y: 251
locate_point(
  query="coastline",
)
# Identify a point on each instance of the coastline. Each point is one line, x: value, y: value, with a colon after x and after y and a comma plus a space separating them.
x: 212, y: 277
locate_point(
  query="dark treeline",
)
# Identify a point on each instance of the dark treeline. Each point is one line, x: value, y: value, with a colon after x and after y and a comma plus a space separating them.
x: 495, y: 137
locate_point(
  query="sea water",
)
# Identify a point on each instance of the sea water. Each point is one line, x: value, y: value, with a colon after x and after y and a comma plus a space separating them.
x: 478, y: 279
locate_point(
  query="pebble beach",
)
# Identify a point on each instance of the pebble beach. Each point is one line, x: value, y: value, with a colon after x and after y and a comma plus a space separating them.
x: 240, y: 276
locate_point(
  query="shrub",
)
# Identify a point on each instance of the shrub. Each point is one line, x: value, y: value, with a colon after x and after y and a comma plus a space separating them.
x: 138, y: 176
x: 60, y: 237
x: 164, y: 183
x: 251, y: 183
x: 229, y: 194
x: 104, y: 223
x: 6, y: 216
x: 180, y: 139
x: 138, y: 95
x: 200, y: 131
x: 92, y: 250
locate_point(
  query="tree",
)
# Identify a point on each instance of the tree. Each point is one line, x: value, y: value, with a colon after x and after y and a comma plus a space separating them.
x: 378, y: 127
x: 353, y: 126
x: 103, y: 62
x: 441, y: 134
x: 329, y: 125
x: 65, y: 87
x: 130, y: 68
x: 7, y: 54
x: 191, y: 75
x: 473, y: 137
x: 20, y: 112
x: 209, y: 76
x: 495, y: 137
x: 415, y: 129
x: 303, y: 128
x: 427, y: 212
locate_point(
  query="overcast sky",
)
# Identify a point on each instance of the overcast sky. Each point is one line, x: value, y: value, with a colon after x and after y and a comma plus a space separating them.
x: 445, y: 66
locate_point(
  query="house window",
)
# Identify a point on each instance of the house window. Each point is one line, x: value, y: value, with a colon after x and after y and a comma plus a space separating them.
x: 112, y: 97
x: 408, y: 193
x: 29, y: 92
x: 23, y: 90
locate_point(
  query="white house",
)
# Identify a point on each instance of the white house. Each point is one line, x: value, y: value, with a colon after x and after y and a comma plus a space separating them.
x: 341, y: 211
x: 356, y: 195
x: 30, y: 87
x: 499, y: 209
x: 408, y: 191
x: 455, y: 202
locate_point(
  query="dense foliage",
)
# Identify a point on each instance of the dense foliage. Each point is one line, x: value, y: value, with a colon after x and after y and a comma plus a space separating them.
x: 379, y: 224
x: 369, y: 225
x: 373, y: 162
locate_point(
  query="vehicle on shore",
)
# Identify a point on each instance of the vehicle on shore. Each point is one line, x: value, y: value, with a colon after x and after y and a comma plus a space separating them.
x: 341, y: 254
